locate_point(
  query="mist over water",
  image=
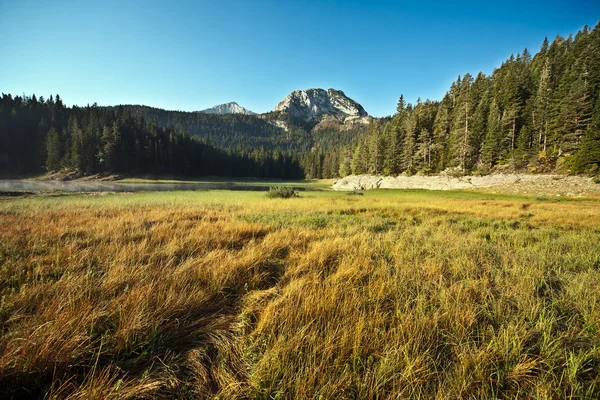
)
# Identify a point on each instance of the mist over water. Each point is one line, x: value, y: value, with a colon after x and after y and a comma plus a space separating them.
x: 43, y: 186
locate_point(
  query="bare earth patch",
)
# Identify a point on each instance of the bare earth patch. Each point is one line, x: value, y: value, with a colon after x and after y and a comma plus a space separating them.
x: 539, y: 185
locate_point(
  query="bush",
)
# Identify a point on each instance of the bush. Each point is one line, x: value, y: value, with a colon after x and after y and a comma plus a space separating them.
x: 596, y: 179
x: 453, y: 172
x: 593, y: 170
x: 355, y: 192
x: 281, y: 192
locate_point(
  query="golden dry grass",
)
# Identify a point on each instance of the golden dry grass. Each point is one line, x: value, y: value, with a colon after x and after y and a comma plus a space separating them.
x: 232, y: 295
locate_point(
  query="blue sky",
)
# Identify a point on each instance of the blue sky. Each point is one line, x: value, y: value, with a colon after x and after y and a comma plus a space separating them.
x: 191, y: 55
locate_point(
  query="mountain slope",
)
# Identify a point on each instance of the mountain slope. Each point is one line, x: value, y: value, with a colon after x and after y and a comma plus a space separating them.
x: 222, y: 130
x: 334, y: 120
x: 228, y: 108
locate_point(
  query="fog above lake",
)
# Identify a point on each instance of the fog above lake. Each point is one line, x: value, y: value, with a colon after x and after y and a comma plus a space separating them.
x: 70, y: 186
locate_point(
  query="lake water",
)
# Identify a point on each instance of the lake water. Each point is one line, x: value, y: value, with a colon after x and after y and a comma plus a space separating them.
x: 69, y: 186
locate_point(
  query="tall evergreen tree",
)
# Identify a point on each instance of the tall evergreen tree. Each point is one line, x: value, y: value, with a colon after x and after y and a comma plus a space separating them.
x: 541, y: 109
x: 401, y: 104
x: 491, y: 150
x: 587, y: 158
x: 54, y: 150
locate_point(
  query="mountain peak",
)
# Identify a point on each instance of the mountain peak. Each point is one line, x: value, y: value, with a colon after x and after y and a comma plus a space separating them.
x: 313, y: 103
x: 227, y: 108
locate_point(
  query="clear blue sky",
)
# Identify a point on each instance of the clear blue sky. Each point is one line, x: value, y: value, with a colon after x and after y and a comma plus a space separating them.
x: 190, y: 55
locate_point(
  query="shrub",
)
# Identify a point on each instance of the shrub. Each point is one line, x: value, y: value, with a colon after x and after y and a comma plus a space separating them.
x: 593, y: 170
x: 596, y: 179
x: 354, y: 192
x: 454, y: 172
x: 281, y: 192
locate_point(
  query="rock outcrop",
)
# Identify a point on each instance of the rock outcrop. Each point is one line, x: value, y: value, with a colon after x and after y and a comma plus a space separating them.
x: 314, y: 104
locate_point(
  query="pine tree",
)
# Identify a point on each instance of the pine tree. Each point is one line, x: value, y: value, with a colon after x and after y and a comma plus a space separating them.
x: 492, y: 146
x: 111, y: 138
x: 401, y: 104
x: 359, y: 162
x: 441, y: 132
x: 541, y: 107
x: 54, y: 150
x: 346, y: 158
x: 424, y: 115
x: 479, y: 125
x: 375, y: 149
x: 576, y: 112
x: 587, y: 158
x: 523, y: 149
x: 544, y: 47
x: 77, y: 158
x: 459, y: 138
x: 391, y: 149
x: 409, y: 145
x: 423, y: 153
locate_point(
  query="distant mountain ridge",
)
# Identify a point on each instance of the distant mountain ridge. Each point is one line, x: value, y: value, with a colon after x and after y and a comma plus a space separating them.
x: 302, y: 120
x: 228, y: 108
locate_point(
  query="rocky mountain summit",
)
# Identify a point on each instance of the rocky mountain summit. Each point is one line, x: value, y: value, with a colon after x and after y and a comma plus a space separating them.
x: 313, y: 104
x: 227, y: 108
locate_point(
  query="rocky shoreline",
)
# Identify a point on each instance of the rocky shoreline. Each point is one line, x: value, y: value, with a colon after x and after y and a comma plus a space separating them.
x: 525, y: 184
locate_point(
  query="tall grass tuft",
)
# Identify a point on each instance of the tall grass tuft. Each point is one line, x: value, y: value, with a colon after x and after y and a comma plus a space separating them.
x: 281, y: 192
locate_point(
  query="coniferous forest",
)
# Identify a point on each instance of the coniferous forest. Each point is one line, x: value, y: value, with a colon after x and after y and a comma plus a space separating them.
x: 40, y: 134
x: 535, y: 113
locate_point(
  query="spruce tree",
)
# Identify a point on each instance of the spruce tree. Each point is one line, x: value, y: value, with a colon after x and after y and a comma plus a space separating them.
x: 111, y: 138
x: 441, y: 131
x: 460, y: 133
x: 576, y: 112
x: 346, y: 158
x: 401, y: 104
x: 479, y: 125
x: 359, y: 162
x: 587, y: 158
x: 54, y: 150
x: 541, y: 109
x: 492, y: 146
x: 522, y: 153
x: 375, y: 149
x: 409, y: 145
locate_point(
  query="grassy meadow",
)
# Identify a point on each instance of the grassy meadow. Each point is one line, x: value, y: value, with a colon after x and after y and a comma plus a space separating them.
x: 232, y: 295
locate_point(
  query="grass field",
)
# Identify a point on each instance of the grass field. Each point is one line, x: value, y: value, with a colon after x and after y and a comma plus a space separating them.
x: 215, y: 294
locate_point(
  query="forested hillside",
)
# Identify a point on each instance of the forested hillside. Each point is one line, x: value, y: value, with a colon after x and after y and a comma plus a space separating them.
x: 39, y: 134
x: 226, y: 130
x: 229, y: 131
x: 534, y: 114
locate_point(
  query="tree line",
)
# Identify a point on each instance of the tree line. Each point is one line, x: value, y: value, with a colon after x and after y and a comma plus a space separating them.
x: 42, y: 135
x: 39, y: 135
x: 535, y: 114
x: 317, y: 145
x: 226, y: 131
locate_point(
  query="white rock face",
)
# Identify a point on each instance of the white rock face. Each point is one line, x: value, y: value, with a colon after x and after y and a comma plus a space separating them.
x: 281, y: 124
x: 313, y: 103
x: 358, y: 120
x: 227, y: 108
